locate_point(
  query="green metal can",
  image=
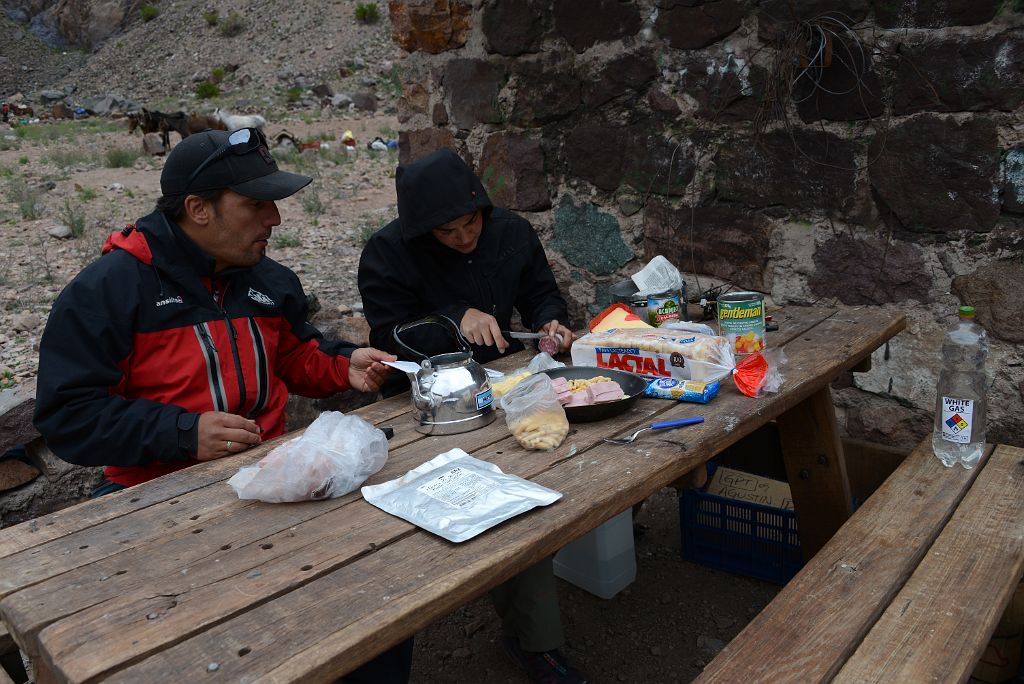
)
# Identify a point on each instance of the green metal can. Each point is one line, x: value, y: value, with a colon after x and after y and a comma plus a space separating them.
x: 741, y: 321
x: 664, y: 307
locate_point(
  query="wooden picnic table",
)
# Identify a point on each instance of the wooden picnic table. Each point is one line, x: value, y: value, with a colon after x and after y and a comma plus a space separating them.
x: 178, y: 580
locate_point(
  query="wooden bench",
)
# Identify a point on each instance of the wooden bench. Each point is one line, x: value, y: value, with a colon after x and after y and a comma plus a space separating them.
x: 909, y: 589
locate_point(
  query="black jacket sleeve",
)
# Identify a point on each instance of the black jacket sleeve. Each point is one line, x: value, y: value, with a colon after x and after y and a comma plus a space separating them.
x: 538, y: 300
x: 88, y: 333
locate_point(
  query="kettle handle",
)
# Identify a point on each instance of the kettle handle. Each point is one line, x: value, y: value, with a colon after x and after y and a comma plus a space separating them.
x: 436, y: 319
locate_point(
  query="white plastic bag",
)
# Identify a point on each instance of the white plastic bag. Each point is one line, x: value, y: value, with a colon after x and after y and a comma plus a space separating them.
x: 457, y: 497
x: 332, y: 457
x: 534, y: 415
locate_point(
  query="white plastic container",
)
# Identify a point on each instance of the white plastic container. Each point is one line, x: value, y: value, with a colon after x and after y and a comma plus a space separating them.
x: 602, y: 561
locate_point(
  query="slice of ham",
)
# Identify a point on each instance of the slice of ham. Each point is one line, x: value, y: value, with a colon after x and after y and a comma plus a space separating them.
x: 601, y: 392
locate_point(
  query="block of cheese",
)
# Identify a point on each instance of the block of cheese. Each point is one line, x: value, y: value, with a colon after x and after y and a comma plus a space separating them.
x: 616, y: 316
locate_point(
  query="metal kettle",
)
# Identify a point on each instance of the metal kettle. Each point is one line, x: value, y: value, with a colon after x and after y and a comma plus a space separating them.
x: 450, y: 392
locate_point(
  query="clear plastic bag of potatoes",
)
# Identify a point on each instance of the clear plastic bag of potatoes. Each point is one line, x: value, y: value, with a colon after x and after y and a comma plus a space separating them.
x: 534, y: 415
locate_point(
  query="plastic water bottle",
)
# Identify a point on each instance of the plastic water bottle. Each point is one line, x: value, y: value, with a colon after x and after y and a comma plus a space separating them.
x: 960, y: 403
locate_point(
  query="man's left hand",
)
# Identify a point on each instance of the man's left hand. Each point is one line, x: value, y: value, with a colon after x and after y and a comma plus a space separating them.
x: 555, y: 328
x: 365, y: 370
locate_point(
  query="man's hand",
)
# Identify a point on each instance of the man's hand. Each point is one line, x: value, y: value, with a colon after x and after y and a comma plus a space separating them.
x: 365, y: 370
x: 222, y: 434
x: 483, y: 329
x: 553, y: 328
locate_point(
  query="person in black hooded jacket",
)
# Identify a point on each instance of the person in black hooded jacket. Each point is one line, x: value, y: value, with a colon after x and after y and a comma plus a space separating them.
x: 450, y: 252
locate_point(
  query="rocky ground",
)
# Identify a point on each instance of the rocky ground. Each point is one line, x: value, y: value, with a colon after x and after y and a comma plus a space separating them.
x: 90, y: 177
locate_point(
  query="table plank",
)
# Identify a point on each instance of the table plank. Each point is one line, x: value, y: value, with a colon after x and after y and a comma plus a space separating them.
x: 822, y: 613
x: 939, y: 624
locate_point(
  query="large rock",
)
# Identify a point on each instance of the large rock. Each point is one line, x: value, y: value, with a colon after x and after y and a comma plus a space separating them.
x: 103, y: 105
x: 775, y: 18
x: 589, y: 238
x: 472, y: 86
x: 16, y: 407
x: 846, y: 90
x: 870, y: 271
x: 415, y: 144
x: 691, y: 25
x: 724, y: 242
x: 637, y: 155
x: 514, y: 28
x: 994, y: 291
x: 627, y: 74
x: 14, y: 473
x: 1013, y: 180
x: 725, y: 86
x: 880, y: 419
x: 72, y: 484
x: 916, y: 14
x: 799, y: 168
x: 87, y: 23
x: 932, y: 175
x: 512, y: 170
x: 583, y: 23
x: 546, y: 90
x: 432, y: 26
x: 960, y: 74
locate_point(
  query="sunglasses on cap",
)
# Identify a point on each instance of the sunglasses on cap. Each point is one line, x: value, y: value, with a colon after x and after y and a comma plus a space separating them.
x: 242, y: 141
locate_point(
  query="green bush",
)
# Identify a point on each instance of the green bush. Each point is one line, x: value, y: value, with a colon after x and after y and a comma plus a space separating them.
x: 286, y: 240
x: 120, y: 158
x: 232, y: 25
x: 206, y: 90
x: 217, y: 75
x: 73, y: 217
x: 28, y: 199
x: 211, y: 17
x: 149, y: 12
x: 294, y: 94
x: 87, y: 194
x: 367, y: 12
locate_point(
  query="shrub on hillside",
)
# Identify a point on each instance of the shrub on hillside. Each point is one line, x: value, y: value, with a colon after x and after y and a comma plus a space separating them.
x: 367, y: 12
x: 211, y: 17
x: 149, y: 12
x: 232, y: 25
x: 206, y: 90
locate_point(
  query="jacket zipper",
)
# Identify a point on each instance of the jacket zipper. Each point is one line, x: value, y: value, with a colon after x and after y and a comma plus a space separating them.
x: 233, y: 336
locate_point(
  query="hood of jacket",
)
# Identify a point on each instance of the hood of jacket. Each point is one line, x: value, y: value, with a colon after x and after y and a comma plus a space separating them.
x: 435, y: 190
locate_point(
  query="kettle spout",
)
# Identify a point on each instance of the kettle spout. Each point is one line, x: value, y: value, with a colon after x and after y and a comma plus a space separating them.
x: 421, y: 401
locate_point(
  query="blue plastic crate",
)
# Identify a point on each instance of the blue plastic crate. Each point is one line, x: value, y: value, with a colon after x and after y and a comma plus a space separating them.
x: 738, y: 536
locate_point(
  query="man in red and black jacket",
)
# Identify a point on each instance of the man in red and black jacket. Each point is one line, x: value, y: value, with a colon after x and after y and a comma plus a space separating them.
x: 181, y: 343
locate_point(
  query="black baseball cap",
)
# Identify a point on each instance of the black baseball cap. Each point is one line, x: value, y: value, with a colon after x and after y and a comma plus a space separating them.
x: 253, y: 173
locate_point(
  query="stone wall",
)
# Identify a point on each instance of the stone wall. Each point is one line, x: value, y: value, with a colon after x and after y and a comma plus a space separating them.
x: 842, y: 153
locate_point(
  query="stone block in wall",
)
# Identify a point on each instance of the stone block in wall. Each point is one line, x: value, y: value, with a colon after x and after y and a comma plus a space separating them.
x: 1013, y: 184
x: 514, y: 27
x: 777, y: 18
x: 583, y: 23
x: 795, y: 168
x: 726, y: 86
x: 689, y: 25
x: 870, y: 270
x: 512, y: 170
x: 413, y: 145
x: 608, y: 156
x: 917, y: 14
x: 881, y: 419
x: 724, y: 242
x: 627, y: 74
x: 933, y: 175
x: 472, y: 87
x: 994, y: 291
x: 546, y: 90
x: 589, y: 238
x: 16, y: 408
x: 432, y: 26
x: 960, y: 74
x: 846, y: 90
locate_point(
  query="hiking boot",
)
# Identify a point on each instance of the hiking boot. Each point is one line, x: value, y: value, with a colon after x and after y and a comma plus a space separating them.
x: 546, y: 667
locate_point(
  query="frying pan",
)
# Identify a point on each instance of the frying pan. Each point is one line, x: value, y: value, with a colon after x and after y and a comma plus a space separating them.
x: 633, y: 387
